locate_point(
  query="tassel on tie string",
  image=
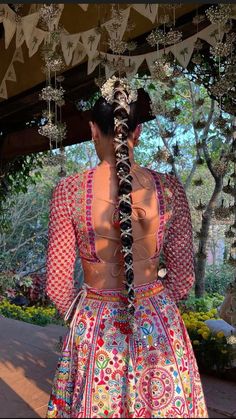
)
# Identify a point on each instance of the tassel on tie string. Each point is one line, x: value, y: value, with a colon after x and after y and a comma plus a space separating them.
x: 82, y: 294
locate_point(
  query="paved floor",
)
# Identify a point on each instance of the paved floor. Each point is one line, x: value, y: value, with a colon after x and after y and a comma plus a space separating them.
x: 28, y: 359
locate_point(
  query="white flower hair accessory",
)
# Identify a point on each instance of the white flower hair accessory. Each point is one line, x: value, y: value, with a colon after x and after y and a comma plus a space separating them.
x: 108, y: 89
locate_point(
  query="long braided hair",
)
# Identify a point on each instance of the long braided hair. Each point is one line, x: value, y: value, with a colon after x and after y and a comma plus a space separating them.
x: 117, y: 115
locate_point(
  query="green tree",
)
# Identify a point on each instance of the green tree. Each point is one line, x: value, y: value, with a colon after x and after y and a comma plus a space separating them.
x: 23, y: 240
x: 182, y: 107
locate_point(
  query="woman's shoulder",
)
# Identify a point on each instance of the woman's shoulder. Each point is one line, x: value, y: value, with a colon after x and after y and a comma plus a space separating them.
x: 168, y: 180
x: 174, y: 191
x: 73, y: 179
x: 67, y: 189
x: 67, y: 186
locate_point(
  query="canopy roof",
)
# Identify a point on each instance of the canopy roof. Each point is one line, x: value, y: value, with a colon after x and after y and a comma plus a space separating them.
x: 84, y: 35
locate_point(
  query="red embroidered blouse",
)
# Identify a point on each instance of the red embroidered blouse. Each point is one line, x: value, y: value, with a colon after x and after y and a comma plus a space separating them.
x: 70, y: 225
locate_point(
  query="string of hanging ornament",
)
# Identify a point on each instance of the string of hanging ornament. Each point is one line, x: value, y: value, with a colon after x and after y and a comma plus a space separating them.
x: 165, y: 70
x: 221, y: 84
x: 230, y: 189
x: 223, y: 52
x: 53, y: 94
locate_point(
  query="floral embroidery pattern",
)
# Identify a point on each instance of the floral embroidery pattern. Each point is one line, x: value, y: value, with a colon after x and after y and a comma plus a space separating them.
x: 115, y: 375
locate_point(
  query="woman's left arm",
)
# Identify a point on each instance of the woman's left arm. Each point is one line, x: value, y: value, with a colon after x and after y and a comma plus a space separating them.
x: 61, y: 251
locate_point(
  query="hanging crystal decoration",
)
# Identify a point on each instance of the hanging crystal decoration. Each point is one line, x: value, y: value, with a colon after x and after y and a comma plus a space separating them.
x: 48, y: 13
x: 200, y: 206
x: 173, y: 37
x: 228, y: 189
x: 220, y: 122
x: 219, y: 14
x: 119, y: 64
x: 118, y: 46
x: 229, y: 234
x: 222, y: 212
x: 162, y: 154
x: 198, y: 182
x: 197, y: 58
x: 220, y: 167
x: 156, y: 37
x: 176, y: 149
x: 199, y: 124
x: 200, y: 161
x: 161, y: 69
x: 53, y: 93
x: 221, y: 49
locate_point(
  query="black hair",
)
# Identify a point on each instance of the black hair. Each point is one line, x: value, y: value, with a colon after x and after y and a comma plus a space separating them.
x: 118, y: 120
x: 103, y: 115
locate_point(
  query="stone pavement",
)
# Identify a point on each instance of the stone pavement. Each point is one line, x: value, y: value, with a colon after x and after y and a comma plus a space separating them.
x: 28, y: 360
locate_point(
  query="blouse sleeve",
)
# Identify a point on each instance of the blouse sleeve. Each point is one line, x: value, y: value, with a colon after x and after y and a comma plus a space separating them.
x: 178, y: 245
x: 61, y: 251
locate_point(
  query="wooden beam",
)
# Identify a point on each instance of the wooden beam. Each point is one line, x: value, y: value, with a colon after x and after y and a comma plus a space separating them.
x: 15, y: 143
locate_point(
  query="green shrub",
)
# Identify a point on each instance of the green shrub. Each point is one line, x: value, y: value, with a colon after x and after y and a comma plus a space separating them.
x: 206, y: 303
x: 218, y: 277
x: 35, y: 315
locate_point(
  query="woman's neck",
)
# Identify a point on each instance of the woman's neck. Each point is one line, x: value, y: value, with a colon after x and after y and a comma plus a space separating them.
x: 110, y: 161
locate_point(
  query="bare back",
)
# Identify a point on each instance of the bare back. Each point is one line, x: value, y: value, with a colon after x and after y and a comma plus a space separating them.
x: 81, y: 213
x: 108, y: 273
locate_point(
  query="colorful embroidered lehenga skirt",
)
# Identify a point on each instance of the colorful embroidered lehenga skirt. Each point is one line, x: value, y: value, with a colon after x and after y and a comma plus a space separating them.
x: 107, y: 373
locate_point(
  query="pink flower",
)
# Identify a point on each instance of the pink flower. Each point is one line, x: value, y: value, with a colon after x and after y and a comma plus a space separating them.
x: 10, y: 292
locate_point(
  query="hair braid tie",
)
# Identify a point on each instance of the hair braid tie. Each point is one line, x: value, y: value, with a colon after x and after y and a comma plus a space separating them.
x: 118, y: 93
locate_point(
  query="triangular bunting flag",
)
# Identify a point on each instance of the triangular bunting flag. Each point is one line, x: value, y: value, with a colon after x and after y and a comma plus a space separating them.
x: 2, y: 12
x: 183, y: 50
x: 108, y: 70
x: 68, y: 45
x: 90, y: 41
x: 56, y: 20
x: 135, y: 62
x: 18, y: 56
x: 150, y: 57
x: 210, y: 34
x: 3, y: 90
x: 92, y: 64
x: 79, y: 54
x: 120, y: 32
x: 8, y: 12
x: 36, y: 39
x: 10, y: 74
x: 9, y: 23
x: 34, y: 8
x: 131, y: 62
x: 29, y: 23
x: 149, y: 10
x: 83, y: 6
x: 20, y: 37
